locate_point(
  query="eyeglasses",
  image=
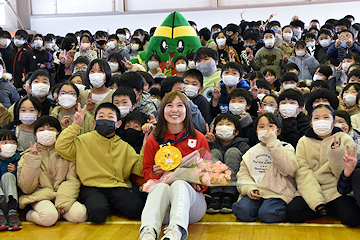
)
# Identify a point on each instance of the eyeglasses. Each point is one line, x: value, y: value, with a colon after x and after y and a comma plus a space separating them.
x: 82, y: 68
x: 67, y: 93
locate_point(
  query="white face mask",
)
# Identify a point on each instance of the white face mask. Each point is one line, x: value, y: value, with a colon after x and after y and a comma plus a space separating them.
x: 48, y: 46
x: 124, y: 111
x: 261, y: 96
x: 192, y: 65
x: 310, y: 44
x: 67, y: 101
x: 297, y: 32
x: 300, y: 53
x: 111, y: 45
x: 5, y: 42
x: 289, y: 86
x: 269, y: 42
x: 325, y: 42
x: 261, y: 134
x: 114, y: 66
x: 18, y: 43
x: 121, y: 37
x: 225, y: 133
x: 322, y: 127
x: 27, y: 118
x: 135, y: 47
x: 230, y: 81
x: 46, y: 137
x: 97, y: 79
x: 206, y: 68
x: 8, y: 150
x: 181, y: 67
x: 287, y: 36
x: 288, y: 109
x: 269, y: 109
x: 350, y: 100
x: 339, y: 125
x: 345, y: 66
x: 40, y: 89
x: 237, y: 108
x: 78, y: 39
x: 317, y: 77
x: 128, y: 35
x: 85, y: 45
x: 153, y: 65
x: 221, y: 42
x: 191, y: 91
x: 38, y: 43
x: 81, y: 87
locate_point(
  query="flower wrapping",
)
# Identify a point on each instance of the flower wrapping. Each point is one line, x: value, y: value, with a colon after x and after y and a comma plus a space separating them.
x: 196, y: 167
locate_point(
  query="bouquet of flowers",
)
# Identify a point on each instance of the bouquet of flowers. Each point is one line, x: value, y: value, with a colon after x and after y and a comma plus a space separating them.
x: 194, y: 168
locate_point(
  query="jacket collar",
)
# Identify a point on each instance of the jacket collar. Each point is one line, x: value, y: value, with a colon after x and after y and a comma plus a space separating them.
x: 311, y: 134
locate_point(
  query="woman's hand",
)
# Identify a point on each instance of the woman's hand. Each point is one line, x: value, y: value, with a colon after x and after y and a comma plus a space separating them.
x: 157, y: 170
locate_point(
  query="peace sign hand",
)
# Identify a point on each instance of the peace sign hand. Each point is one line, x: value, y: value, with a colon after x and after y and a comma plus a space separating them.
x: 350, y: 161
x: 152, y: 119
x: 210, y: 137
x: 33, y: 150
x: 79, y: 115
x: 336, y: 143
x: 261, y: 109
x: 216, y: 93
x: 90, y: 104
x: 127, y: 63
x: 168, y: 63
x: 254, y: 89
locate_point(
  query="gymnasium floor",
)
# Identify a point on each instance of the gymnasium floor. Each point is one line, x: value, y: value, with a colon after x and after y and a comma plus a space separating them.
x: 211, y: 227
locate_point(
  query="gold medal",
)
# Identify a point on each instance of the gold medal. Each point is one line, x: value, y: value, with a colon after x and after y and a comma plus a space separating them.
x: 168, y: 157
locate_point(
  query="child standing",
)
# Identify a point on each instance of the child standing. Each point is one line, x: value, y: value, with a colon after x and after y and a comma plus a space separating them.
x: 8, y: 190
x: 267, y: 175
x: 227, y: 147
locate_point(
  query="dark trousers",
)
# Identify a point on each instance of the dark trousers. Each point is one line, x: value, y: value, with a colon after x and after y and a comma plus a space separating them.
x: 355, y: 184
x: 344, y: 207
x: 100, y: 201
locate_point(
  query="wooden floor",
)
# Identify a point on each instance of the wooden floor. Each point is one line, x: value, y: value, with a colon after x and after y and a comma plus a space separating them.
x: 211, y: 227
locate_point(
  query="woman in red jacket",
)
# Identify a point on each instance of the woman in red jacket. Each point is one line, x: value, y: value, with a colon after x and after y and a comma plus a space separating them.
x: 187, y: 202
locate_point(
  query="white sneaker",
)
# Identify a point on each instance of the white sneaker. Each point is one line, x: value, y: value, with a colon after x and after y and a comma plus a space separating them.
x: 172, y: 232
x: 147, y: 233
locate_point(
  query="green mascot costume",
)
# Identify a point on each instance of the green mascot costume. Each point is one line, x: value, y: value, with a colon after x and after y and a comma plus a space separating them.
x: 175, y: 37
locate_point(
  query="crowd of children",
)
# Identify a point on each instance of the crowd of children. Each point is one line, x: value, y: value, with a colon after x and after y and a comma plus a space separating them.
x: 279, y: 105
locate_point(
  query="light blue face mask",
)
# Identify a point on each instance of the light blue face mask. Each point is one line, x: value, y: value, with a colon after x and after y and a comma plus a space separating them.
x: 275, y: 30
x: 344, y: 45
x: 56, y: 48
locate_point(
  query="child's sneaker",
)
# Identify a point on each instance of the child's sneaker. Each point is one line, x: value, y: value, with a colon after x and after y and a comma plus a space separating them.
x: 172, y: 232
x: 13, y: 220
x: 214, y: 205
x: 226, y: 205
x: 3, y: 222
x: 147, y: 233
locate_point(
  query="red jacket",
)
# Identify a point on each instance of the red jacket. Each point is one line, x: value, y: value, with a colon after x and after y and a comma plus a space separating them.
x: 151, y: 147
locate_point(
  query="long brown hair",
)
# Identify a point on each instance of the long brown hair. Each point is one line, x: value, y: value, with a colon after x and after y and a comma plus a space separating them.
x: 162, y: 123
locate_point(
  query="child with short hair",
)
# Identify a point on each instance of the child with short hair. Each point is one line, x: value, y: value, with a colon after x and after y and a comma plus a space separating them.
x: 105, y: 184
x: 264, y: 88
x: 78, y: 79
x: 310, y: 41
x: 269, y: 104
x: 85, y: 48
x: 295, y: 122
x: 155, y: 96
x: 287, y: 45
x: 180, y: 63
x: 324, y: 39
x: 289, y: 80
x: 343, y: 45
x: 8, y: 191
x: 266, y: 175
x: 153, y: 65
x: 227, y: 147
x: 324, y: 73
x: 48, y: 181
x: 124, y: 99
x: 68, y: 97
x: 354, y: 76
x: 348, y: 98
x: 318, y: 96
x: 193, y: 86
x: 113, y: 47
x: 304, y: 60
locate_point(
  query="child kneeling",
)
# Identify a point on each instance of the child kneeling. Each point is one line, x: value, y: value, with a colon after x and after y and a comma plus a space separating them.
x: 266, y: 175
x: 49, y: 182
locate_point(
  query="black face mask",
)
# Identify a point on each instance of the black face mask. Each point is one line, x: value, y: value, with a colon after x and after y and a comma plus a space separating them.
x: 133, y: 136
x: 105, y: 127
x: 101, y: 42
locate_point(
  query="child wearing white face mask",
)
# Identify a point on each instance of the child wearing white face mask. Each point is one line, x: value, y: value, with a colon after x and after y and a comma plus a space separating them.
x: 266, y: 175
x: 99, y: 75
x: 153, y: 65
x: 324, y: 39
x: 49, y: 182
x: 319, y: 155
x: 8, y: 189
x: 124, y: 98
x: 116, y: 66
x: 307, y: 63
x: 68, y: 99
x: 226, y: 147
x: 181, y: 65
x: 289, y: 80
x: 27, y: 111
x: 86, y: 48
x: 348, y: 98
x: 295, y: 122
x: 228, y: 54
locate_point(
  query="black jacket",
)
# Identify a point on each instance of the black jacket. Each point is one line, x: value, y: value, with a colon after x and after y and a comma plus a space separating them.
x: 294, y: 128
x: 25, y: 61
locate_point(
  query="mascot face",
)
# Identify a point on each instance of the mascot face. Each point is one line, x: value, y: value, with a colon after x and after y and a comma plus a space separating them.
x: 173, y: 38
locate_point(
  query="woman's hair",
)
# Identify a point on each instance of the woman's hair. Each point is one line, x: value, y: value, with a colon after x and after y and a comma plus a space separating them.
x: 6, y: 134
x: 332, y: 111
x: 162, y: 124
x: 321, y: 93
x: 104, y: 66
x: 345, y: 115
x: 70, y: 84
x: 47, y: 120
x: 36, y: 103
x: 272, y: 119
x: 117, y: 57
